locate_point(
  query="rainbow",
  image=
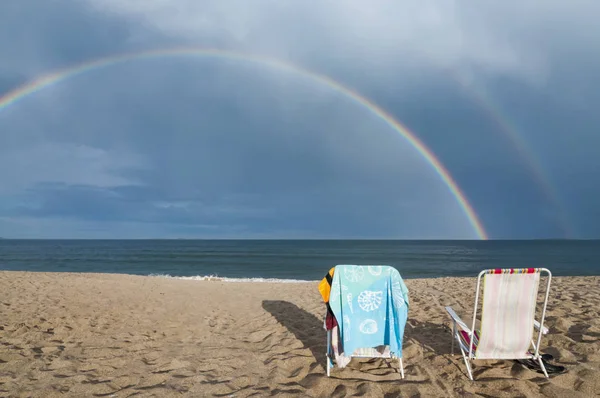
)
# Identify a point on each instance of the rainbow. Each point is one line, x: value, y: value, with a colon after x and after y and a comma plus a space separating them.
x: 494, y: 110
x: 46, y: 81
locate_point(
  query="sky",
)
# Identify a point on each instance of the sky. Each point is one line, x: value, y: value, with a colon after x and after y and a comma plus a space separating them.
x: 503, y: 93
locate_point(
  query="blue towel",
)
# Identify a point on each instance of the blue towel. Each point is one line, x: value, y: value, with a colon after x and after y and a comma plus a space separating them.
x: 370, y: 304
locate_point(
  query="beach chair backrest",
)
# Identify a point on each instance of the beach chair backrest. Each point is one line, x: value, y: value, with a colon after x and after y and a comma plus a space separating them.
x: 370, y: 304
x: 508, y: 312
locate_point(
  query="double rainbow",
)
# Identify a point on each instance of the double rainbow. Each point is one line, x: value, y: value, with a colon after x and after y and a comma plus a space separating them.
x: 41, y: 83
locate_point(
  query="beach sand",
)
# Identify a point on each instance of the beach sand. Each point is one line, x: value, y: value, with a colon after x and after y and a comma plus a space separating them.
x: 117, y: 335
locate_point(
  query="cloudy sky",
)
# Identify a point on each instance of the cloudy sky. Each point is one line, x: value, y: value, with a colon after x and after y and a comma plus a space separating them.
x: 503, y: 93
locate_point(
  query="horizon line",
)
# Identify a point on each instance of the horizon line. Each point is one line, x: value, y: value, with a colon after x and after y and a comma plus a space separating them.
x: 312, y: 239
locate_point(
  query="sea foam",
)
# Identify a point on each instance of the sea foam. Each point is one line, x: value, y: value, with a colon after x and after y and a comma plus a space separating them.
x: 216, y: 278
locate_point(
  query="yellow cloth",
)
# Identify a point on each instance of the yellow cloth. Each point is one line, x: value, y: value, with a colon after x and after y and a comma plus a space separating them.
x: 325, y: 285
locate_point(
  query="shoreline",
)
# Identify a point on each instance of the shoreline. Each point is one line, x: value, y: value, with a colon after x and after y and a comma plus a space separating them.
x: 82, y: 334
x: 257, y: 279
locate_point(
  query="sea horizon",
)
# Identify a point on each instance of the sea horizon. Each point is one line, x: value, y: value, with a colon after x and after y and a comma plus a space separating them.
x: 295, y: 259
x: 308, y: 239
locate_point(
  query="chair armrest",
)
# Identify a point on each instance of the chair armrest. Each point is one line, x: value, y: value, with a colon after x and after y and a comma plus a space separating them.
x: 457, y: 319
x: 536, y: 325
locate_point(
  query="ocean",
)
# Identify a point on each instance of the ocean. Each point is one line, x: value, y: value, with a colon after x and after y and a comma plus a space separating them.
x: 295, y: 260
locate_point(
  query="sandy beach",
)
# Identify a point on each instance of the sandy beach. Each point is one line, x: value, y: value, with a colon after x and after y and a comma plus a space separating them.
x: 120, y: 336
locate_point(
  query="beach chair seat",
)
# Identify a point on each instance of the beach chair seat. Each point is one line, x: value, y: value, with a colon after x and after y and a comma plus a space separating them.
x: 507, y: 318
x: 466, y: 338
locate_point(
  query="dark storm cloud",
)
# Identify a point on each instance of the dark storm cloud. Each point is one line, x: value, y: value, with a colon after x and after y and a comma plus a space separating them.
x: 203, y: 147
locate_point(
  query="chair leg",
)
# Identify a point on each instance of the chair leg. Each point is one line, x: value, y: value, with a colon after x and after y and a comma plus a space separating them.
x: 401, y: 367
x: 328, y: 353
x: 539, y: 358
x: 467, y: 364
x: 468, y: 368
x: 453, y: 337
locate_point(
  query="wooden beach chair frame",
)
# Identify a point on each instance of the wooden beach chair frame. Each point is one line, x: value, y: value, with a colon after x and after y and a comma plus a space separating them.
x: 373, y: 354
x: 470, y: 353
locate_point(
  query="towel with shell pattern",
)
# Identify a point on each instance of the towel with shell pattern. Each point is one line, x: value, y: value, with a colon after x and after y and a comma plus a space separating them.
x: 370, y: 304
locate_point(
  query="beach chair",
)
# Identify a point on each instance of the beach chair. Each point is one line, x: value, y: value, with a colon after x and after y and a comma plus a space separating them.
x: 507, y: 318
x: 370, y: 306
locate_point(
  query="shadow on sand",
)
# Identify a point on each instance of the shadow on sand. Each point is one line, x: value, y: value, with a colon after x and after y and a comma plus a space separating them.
x: 432, y: 337
x: 305, y: 326
x: 309, y: 330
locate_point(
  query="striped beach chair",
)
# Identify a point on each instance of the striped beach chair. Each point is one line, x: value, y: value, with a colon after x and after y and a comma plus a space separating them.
x: 507, y: 318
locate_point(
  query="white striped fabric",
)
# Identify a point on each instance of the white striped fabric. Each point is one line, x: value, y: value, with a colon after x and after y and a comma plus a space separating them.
x: 509, y: 302
x: 382, y: 351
